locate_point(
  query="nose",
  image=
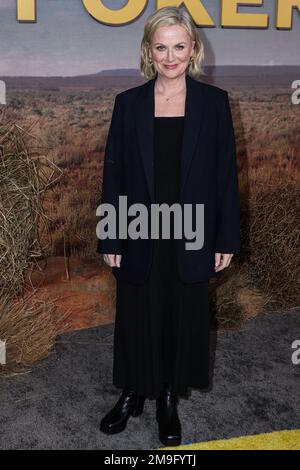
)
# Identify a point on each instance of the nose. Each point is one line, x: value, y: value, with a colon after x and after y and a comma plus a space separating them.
x: 170, y: 56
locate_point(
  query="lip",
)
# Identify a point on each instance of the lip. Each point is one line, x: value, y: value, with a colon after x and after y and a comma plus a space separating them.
x: 171, y: 67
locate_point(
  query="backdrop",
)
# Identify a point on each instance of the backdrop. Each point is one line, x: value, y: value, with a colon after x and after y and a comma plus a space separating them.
x: 62, y: 63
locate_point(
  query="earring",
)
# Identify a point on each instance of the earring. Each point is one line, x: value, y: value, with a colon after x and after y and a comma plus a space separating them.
x: 191, y: 59
x: 150, y: 60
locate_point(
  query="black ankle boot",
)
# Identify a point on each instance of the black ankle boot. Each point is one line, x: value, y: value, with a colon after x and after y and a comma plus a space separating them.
x: 168, y: 419
x: 129, y: 404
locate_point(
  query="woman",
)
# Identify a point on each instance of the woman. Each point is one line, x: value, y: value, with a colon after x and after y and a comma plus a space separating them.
x: 171, y: 140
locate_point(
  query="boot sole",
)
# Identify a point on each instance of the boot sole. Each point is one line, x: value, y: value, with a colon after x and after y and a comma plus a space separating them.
x: 171, y: 442
x: 176, y: 441
x: 114, y: 430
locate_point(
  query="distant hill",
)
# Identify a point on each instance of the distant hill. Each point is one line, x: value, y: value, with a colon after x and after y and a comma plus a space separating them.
x: 118, y: 78
x: 119, y: 72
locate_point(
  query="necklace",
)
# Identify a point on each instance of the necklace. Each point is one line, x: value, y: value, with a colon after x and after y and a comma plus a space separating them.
x: 170, y: 97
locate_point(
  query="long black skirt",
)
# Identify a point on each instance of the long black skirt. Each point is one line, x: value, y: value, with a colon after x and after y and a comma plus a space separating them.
x: 161, y: 332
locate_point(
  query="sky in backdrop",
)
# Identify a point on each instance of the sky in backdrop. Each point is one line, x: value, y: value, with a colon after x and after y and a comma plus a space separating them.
x: 67, y: 41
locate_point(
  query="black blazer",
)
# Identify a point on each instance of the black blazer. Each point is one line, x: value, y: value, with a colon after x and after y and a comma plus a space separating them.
x: 208, y: 175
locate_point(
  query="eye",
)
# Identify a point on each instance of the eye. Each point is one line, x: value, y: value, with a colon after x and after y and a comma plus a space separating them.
x: 179, y: 46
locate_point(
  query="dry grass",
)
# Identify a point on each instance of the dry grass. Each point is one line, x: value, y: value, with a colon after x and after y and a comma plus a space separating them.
x: 265, y: 276
x: 28, y: 328
x: 273, y: 243
x: 25, y: 177
x: 26, y: 325
x: 235, y: 300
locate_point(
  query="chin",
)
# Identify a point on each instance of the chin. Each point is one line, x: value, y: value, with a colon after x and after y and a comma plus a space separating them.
x: 173, y: 73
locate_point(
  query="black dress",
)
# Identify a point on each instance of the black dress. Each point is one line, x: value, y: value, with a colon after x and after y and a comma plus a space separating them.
x: 161, y: 330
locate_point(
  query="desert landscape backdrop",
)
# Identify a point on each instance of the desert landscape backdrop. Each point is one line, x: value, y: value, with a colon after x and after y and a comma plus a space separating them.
x: 69, y: 119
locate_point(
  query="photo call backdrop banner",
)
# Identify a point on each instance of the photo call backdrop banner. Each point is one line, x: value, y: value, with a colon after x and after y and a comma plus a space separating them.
x: 62, y: 62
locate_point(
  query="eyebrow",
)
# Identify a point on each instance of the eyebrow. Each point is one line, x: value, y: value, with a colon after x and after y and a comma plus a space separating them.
x: 182, y: 42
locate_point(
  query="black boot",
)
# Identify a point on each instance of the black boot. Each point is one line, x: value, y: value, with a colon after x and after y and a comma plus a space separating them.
x: 168, y: 419
x: 129, y: 404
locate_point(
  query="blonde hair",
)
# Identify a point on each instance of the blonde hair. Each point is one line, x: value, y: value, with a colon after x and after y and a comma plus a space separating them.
x: 171, y: 16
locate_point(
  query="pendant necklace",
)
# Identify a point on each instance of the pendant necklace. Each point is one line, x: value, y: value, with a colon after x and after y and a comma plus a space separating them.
x: 170, y: 97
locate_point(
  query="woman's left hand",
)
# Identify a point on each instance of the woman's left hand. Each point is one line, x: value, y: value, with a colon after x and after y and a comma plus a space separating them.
x: 222, y: 260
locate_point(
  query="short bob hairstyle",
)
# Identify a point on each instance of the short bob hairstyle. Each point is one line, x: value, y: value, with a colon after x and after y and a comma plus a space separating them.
x: 169, y: 16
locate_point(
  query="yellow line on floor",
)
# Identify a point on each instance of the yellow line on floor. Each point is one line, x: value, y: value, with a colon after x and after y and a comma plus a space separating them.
x: 279, y: 440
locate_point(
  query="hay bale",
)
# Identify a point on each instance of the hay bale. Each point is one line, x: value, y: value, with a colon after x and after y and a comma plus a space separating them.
x: 265, y: 276
x: 234, y: 299
x: 274, y: 255
x: 28, y: 331
x: 25, y: 175
x: 27, y: 328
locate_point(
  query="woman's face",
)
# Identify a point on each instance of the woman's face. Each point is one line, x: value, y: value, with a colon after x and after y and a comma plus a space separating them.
x: 171, y: 45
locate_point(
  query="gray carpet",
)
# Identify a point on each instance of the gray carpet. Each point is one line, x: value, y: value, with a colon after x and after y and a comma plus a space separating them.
x: 255, y: 389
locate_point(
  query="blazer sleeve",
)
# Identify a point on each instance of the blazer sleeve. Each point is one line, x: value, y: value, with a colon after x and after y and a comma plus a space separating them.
x: 112, y: 181
x: 228, y: 199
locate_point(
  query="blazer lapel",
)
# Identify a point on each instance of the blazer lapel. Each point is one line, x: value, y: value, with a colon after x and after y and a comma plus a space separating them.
x: 144, y: 122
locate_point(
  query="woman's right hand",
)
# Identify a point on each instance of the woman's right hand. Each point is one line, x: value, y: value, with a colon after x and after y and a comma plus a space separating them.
x: 112, y: 260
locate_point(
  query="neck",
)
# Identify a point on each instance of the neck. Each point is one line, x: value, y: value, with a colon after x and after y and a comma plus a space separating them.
x: 170, y: 84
